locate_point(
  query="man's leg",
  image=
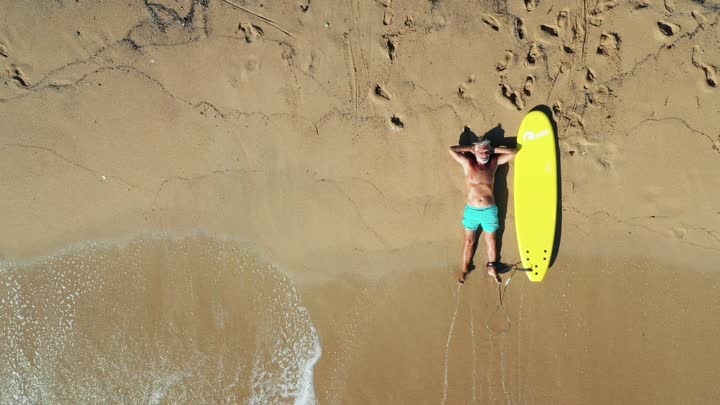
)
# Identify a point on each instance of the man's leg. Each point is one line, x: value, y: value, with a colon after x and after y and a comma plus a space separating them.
x: 491, y: 245
x: 470, y: 245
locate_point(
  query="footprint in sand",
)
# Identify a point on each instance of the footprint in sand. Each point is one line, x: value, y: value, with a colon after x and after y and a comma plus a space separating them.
x: 491, y: 21
x: 667, y: 28
x: 531, y: 4
x: 563, y: 19
x: 670, y: 6
x: 578, y: 30
x: 595, y: 20
x: 573, y: 119
x: 252, y: 32
x: 710, y: 74
x: 700, y: 19
x: 4, y: 50
x: 388, y: 15
x: 396, y: 122
x: 529, y: 85
x: 515, y: 98
x: 596, y: 95
x: 463, y: 87
x: 392, y: 46
x: 409, y: 22
x: 609, y: 43
x: 18, y: 75
x: 642, y: 4
x: 550, y: 29
x: 381, y: 91
x: 562, y: 24
x: 507, y: 62
x: 520, y: 30
x: 590, y: 75
x: 534, y: 54
x: 604, y: 6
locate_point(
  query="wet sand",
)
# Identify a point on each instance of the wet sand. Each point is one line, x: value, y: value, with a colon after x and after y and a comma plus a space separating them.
x: 196, y: 195
x: 197, y: 319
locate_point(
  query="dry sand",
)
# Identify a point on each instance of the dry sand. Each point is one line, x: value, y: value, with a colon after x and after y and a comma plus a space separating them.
x: 228, y: 191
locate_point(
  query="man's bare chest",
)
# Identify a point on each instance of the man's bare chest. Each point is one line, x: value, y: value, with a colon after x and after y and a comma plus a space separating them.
x: 480, y: 175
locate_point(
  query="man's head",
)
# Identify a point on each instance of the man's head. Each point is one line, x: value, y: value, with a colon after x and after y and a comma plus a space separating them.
x: 482, y: 150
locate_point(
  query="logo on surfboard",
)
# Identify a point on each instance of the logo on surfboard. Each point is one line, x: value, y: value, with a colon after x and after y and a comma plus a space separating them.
x: 531, y: 136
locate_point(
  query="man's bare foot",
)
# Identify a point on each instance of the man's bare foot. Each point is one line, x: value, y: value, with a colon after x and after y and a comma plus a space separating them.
x: 492, y: 271
x: 463, y: 276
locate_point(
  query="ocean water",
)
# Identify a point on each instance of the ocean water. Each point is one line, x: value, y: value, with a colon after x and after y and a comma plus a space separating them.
x: 154, y: 320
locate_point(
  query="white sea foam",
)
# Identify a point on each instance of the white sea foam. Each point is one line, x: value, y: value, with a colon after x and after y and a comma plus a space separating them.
x: 40, y: 340
x: 283, y: 369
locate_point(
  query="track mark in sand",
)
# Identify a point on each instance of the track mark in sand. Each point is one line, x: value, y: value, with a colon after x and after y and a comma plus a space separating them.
x: 604, y: 6
x: 389, y: 12
x: 507, y: 62
x: 491, y: 21
x: 463, y: 87
x: 534, y: 53
x: 710, y: 74
x: 252, y: 32
x: 4, y: 50
x: 396, y: 122
x: 381, y: 91
x: 670, y: 6
x: 512, y: 95
x: 563, y: 19
x: 353, y: 76
x: 409, y: 22
x: 474, y: 356
x: 642, y: 4
x: 550, y: 29
x: 71, y: 162
x: 388, y: 16
x: 590, y: 76
x: 596, y: 95
x: 667, y: 28
x: 700, y: 19
x: 305, y: 7
x: 531, y: 4
x: 392, y: 46
x: 447, y: 347
x: 595, y: 20
x: 520, y: 30
x: 570, y: 118
x: 529, y: 85
x: 20, y: 77
x: 260, y: 16
x: 609, y: 44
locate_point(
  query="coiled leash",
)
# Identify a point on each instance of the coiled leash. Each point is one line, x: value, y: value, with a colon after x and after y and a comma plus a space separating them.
x: 502, y: 293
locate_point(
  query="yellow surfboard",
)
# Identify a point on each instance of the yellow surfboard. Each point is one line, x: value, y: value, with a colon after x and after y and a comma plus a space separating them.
x: 536, y: 189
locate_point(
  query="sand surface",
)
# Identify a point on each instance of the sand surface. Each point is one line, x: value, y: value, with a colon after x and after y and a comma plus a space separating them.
x: 260, y: 194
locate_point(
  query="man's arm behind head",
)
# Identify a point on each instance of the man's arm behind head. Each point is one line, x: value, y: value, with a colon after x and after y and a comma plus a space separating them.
x: 505, y: 154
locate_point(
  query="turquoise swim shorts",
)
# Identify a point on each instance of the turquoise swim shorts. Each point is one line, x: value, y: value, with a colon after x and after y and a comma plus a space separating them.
x: 487, y: 218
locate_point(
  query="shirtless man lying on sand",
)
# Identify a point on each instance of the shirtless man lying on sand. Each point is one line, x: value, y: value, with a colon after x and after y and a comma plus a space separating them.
x: 481, y: 213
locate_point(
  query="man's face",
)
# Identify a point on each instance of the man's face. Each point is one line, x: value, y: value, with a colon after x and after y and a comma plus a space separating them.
x: 482, y: 153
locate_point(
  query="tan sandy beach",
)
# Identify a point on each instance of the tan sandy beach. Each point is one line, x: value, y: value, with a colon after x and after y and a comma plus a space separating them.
x: 209, y: 201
